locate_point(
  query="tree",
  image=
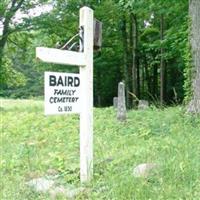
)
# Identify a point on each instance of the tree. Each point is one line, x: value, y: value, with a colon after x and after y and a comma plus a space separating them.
x: 194, y: 10
x: 131, y: 49
x: 8, y: 10
x: 162, y: 63
x: 130, y: 35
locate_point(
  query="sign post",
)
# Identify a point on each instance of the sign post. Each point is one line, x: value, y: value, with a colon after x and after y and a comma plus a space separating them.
x: 84, y: 60
x: 86, y: 115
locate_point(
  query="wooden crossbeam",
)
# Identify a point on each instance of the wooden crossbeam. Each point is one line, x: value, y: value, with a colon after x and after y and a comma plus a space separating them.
x: 57, y: 56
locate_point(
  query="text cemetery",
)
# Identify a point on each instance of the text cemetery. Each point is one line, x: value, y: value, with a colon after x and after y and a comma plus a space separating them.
x: 62, y: 93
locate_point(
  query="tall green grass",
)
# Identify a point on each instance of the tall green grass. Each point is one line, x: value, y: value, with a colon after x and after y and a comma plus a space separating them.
x: 33, y: 144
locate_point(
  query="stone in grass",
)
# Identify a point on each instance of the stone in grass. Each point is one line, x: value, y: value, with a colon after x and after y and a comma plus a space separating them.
x: 143, y: 104
x: 121, y: 104
x: 40, y: 184
x: 115, y: 102
x: 144, y: 170
x: 67, y: 192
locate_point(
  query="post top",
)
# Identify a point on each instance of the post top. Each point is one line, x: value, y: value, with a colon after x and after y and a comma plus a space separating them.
x: 86, y: 8
x: 121, y: 83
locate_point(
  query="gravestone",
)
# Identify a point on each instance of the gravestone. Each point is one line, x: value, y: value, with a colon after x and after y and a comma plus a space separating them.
x: 115, y: 100
x: 121, y: 106
x: 143, y: 104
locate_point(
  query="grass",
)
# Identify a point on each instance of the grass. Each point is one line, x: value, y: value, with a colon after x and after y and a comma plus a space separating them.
x: 33, y: 144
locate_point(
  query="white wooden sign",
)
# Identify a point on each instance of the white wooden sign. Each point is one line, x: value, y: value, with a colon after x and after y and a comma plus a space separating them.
x: 84, y: 60
x: 62, y: 93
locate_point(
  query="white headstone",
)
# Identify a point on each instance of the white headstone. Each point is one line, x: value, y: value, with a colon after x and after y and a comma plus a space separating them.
x: 115, y: 100
x: 121, y: 107
x: 143, y: 104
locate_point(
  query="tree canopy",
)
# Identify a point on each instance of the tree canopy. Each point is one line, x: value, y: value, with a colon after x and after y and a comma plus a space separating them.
x: 145, y: 44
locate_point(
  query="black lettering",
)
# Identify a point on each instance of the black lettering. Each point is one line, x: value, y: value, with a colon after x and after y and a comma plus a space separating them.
x: 68, y: 108
x: 52, y: 80
x: 51, y: 100
x: 65, y: 80
x: 76, y: 82
x: 70, y: 81
x: 60, y: 109
x: 60, y: 81
x: 55, y: 91
x: 73, y: 91
x: 76, y: 99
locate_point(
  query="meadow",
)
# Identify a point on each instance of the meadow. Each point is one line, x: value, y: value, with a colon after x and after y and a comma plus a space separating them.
x: 34, y: 145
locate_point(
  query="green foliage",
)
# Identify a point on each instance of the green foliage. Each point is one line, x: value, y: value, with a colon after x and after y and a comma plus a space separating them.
x: 188, y: 71
x: 12, y: 77
x: 33, y: 144
x: 59, y: 25
x: 188, y: 74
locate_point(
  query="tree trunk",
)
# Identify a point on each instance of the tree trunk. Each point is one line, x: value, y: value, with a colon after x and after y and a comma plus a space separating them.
x: 147, y: 76
x: 142, y: 81
x: 134, y: 55
x: 155, y: 80
x: 162, y: 66
x: 15, y: 6
x: 2, y: 46
x: 138, y: 76
x: 125, y: 60
x: 194, y: 9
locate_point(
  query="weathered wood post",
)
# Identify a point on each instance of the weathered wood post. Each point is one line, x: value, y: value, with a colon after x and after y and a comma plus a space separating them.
x: 83, y: 59
x: 86, y: 114
x: 121, y: 107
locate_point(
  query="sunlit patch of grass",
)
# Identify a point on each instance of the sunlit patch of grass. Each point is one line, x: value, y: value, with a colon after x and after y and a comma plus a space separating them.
x: 32, y: 143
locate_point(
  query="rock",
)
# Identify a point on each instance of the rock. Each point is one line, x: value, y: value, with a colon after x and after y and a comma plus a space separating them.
x: 67, y: 192
x: 48, y: 186
x: 143, y: 104
x: 41, y: 184
x: 144, y: 169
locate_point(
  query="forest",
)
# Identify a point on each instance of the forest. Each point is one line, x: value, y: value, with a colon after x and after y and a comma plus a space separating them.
x: 145, y: 44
